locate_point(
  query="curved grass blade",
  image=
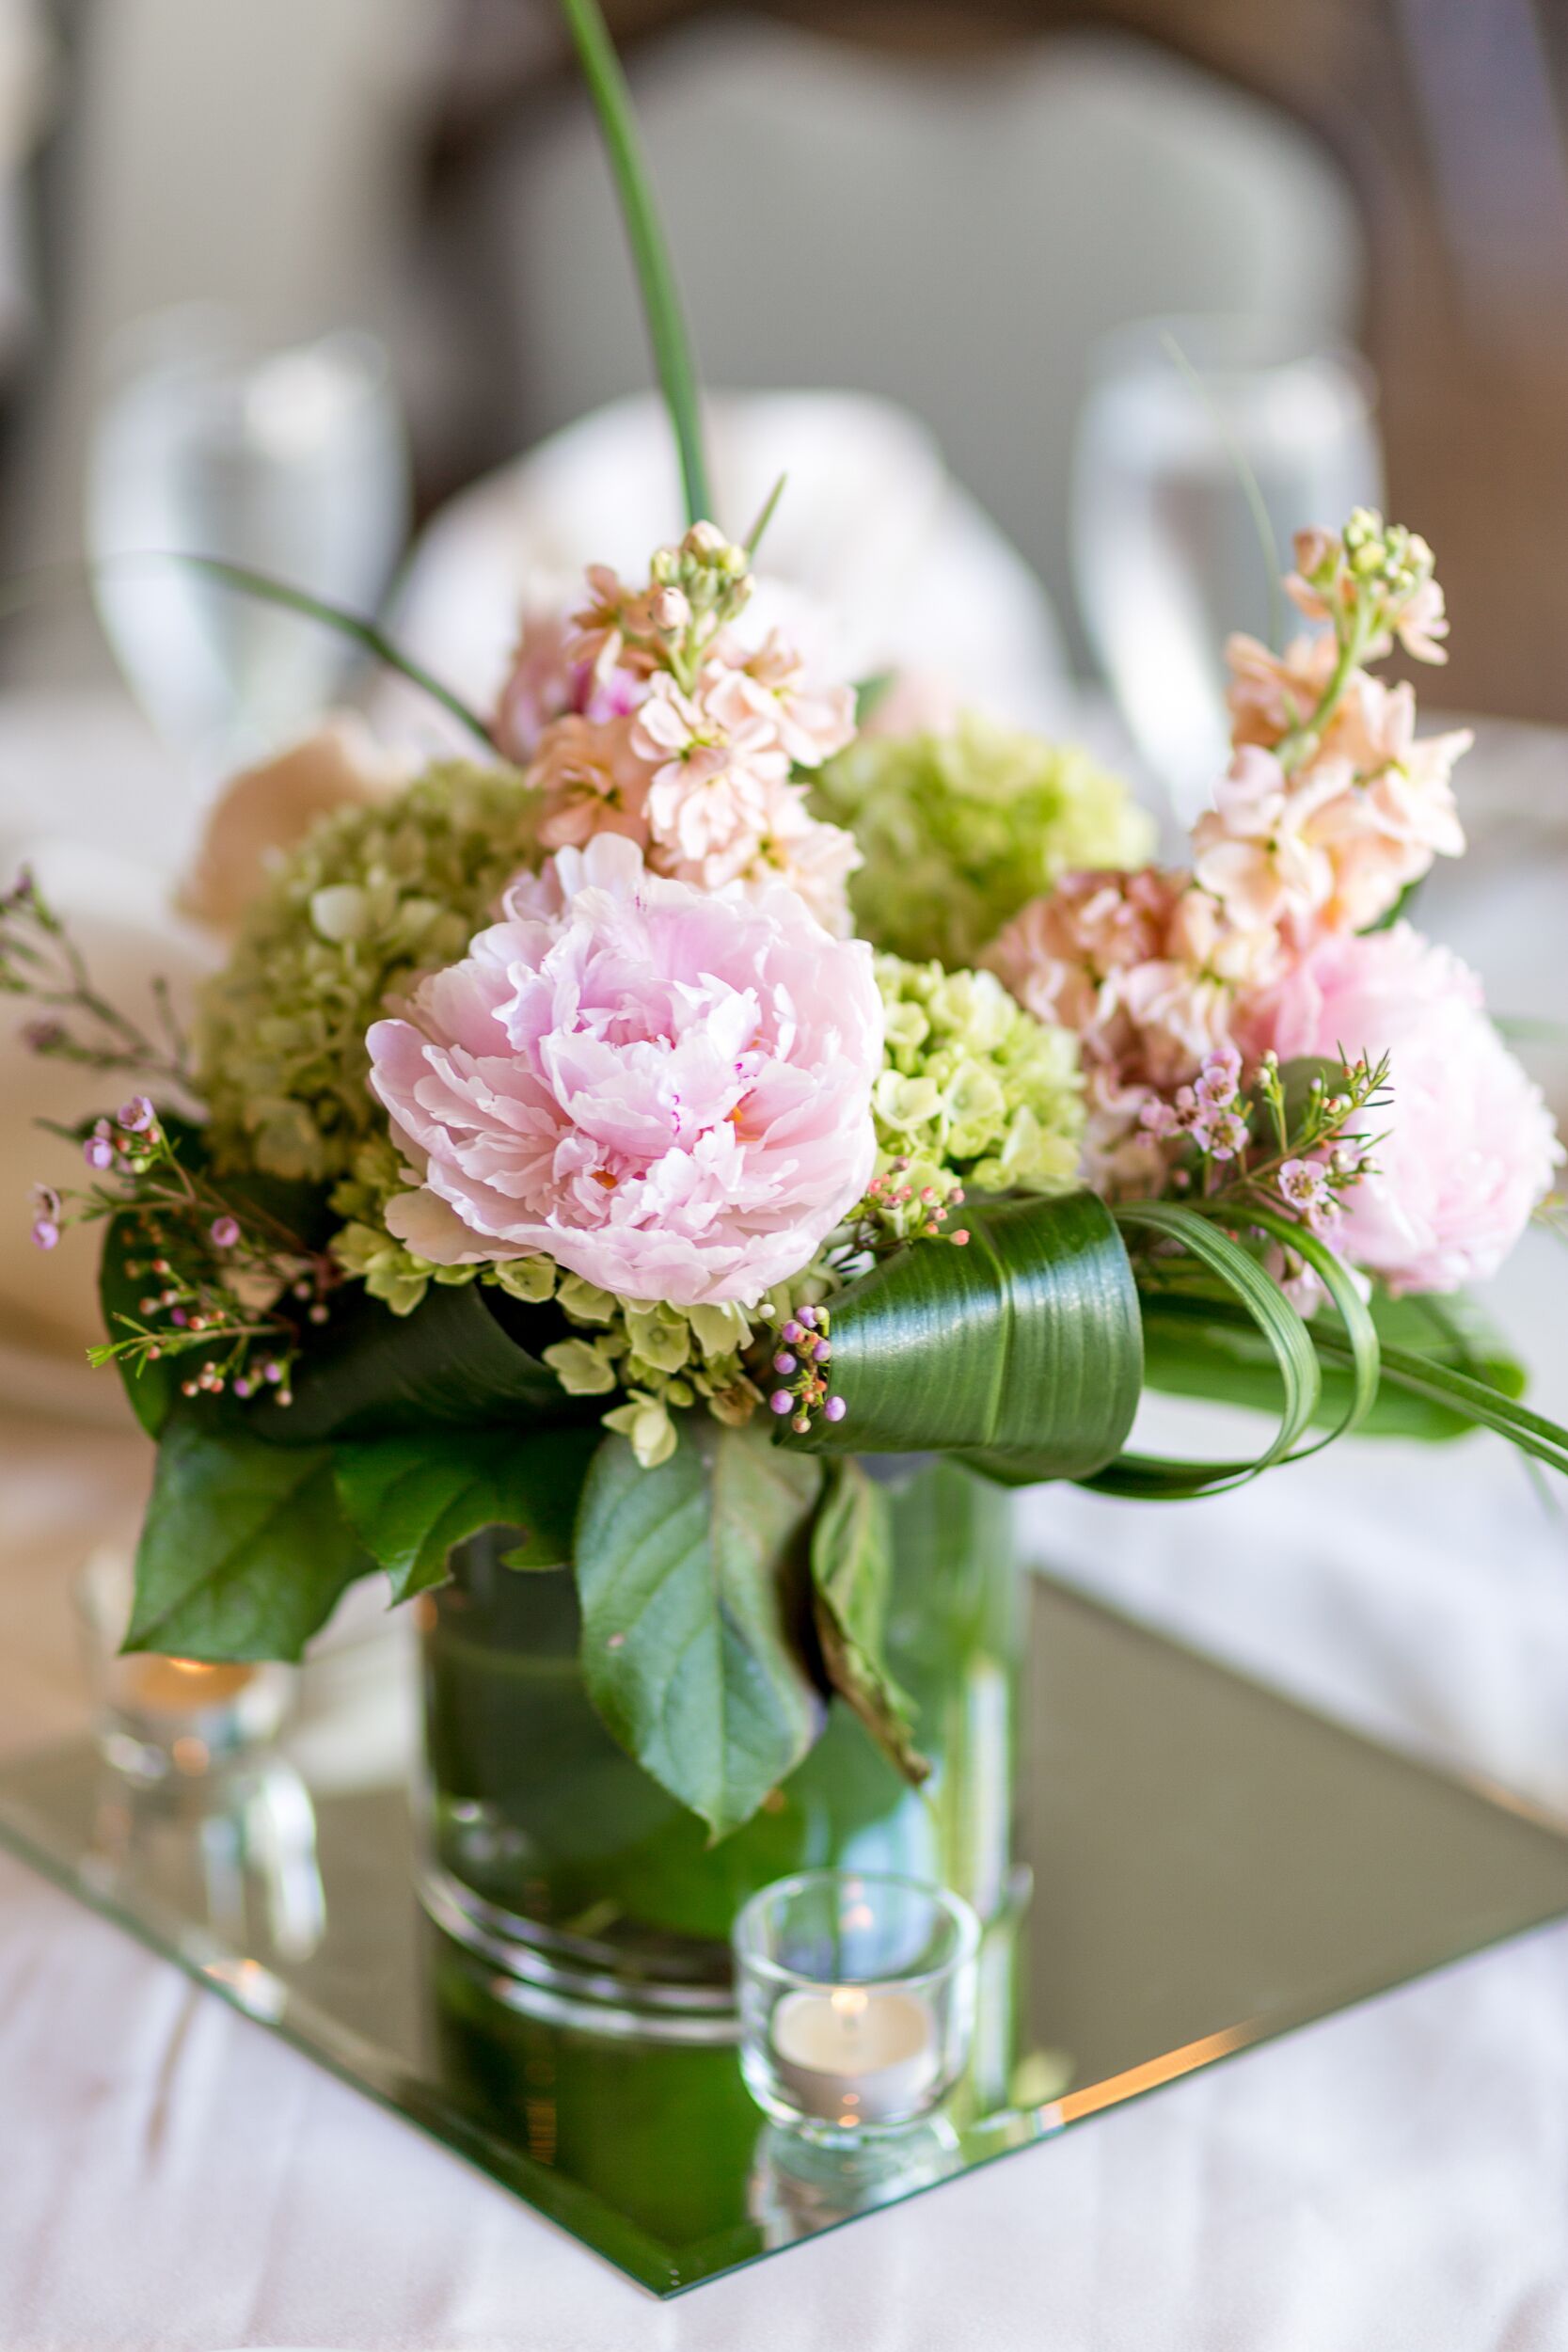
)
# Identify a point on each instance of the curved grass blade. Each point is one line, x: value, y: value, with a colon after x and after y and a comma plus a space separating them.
x: 1361, y: 1335
x: 1156, y: 1477
x: 661, y: 301
x: 1440, y: 1384
x: 360, y: 632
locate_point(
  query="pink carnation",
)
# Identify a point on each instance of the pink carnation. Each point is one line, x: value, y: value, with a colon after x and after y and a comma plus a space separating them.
x: 1469, y: 1147
x: 665, y: 1089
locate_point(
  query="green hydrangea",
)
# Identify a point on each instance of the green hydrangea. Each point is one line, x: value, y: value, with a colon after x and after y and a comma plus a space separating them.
x: 960, y: 831
x: 369, y: 897
x: 974, y: 1091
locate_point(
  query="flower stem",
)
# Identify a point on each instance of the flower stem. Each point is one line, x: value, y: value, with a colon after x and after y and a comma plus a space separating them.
x: 661, y: 302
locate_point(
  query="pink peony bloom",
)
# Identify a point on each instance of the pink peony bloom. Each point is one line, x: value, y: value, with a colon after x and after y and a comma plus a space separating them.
x: 666, y: 1090
x: 1470, y: 1146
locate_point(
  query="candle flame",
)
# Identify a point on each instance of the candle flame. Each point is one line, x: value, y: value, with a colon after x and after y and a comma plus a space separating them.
x: 848, y: 2000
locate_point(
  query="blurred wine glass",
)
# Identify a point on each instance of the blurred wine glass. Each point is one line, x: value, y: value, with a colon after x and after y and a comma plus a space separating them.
x: 290, y: 462
x: 1168, y: 545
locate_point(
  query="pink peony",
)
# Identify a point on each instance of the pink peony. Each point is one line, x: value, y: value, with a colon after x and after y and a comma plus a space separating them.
x: 665, y: 1089
x: 1469, y: 1147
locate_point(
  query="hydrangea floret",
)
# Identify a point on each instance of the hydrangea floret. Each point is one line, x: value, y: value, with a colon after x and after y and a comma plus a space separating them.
x: 958, y: 831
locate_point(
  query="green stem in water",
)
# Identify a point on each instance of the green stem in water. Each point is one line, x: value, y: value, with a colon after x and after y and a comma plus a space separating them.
x: 661, y: 302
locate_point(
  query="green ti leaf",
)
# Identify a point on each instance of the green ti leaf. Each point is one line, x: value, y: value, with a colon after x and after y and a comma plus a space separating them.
x: 410, y: 1498
x: 1020, y: 1351
x: 851, y: 1570
x: 245, y: 1552
x: 693, y: 1644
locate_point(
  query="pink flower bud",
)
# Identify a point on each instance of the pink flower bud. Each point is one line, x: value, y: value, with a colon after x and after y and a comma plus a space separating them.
x: 46, y: 1234
x: 835, y: 1408
x: 225, y: 1231
x: 781, y: 1401
x: 784, y: 1362
x: 137, y: 1114
x: 99, y: 1151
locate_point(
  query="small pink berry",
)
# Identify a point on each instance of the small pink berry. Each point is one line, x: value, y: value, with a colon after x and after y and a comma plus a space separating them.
x: 781, y: 1401
x: 835, y: 1408
x: 225, y: 1231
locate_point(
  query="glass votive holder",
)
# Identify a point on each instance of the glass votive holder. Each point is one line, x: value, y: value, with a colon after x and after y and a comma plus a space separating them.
x: 154, y: 1717
x: 856, y: 1992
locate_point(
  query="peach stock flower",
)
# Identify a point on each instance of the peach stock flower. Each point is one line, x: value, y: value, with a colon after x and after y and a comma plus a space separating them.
x: 593, y: 781
x: 1255, y: 849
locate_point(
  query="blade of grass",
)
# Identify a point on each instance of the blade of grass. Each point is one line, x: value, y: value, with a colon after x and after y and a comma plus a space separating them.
x: 661, y: 302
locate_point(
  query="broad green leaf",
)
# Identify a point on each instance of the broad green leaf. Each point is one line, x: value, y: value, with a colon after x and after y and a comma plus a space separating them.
x: 1021, y: 1351
x: 410, y: 1498
x: 243, y: 1552
x: 453, y: 1360
x: 1156, y: 1478
x: 691, y: 1579
x: 851, y: 1569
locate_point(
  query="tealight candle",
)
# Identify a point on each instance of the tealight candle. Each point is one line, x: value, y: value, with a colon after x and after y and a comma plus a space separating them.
x: 856, y: 1991
x: 856, y: 2053
x: 177, y: 1687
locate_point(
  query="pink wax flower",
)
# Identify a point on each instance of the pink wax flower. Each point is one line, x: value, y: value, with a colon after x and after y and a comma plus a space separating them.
x: 666, y: 1090
x: 1469, y: 1147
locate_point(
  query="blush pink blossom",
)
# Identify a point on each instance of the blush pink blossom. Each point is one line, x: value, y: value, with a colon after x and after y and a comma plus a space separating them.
x: 545, y: 684
x: 592, y: 781
x: 666, y: 1090
x: 1469, y: 1147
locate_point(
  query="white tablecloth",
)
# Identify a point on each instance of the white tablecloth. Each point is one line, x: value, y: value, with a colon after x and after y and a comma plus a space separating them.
x: 1394, y: 2180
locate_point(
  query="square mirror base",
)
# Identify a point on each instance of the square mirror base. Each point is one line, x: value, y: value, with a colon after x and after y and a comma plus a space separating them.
x: 1204, y: 1863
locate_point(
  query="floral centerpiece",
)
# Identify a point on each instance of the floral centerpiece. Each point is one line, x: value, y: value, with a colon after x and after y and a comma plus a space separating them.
x: 591, y: 1155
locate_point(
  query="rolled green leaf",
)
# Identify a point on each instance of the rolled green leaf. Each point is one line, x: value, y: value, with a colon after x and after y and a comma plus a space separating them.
x: 691, y: 1633
x: 410, y: 1498
x: 1020, y: 1351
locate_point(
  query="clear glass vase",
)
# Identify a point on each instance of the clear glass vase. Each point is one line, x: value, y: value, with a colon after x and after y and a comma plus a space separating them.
x: 552, y: 1854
